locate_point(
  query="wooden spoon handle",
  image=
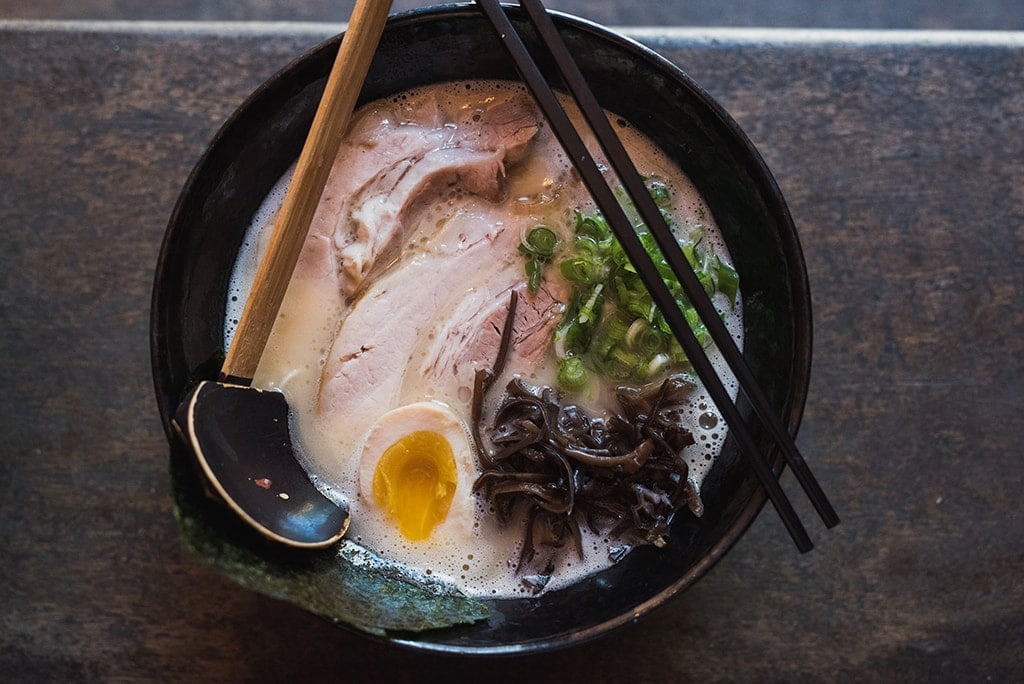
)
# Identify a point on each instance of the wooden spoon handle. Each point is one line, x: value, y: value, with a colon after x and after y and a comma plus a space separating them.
x: 344, y: 83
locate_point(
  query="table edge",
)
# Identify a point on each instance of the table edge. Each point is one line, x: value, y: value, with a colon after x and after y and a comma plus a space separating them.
x: 690, y: 35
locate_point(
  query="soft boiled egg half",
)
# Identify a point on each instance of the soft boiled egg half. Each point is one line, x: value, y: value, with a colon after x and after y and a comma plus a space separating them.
x: 416, y: 503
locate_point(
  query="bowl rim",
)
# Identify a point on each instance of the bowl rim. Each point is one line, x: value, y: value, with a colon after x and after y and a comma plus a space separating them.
x: 791, y: 249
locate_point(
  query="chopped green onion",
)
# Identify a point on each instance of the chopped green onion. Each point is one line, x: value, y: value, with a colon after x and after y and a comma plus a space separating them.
x: 542, y: 241
x: 699, y: 331
x: 621, y: 363
x: 728, y: 280
x: 572, y: 374
x: 642, y: 337
x: 676, y: 353
x: 656, y: 365
x: 594, y: 226
x: 601, y: 347
x: 690, y: 252
x: 659, y: 193
x: 706, y: 281
x: 591, y: 308
x: 580, y: 270
x: 578, y: 338
x: 539, y: 246
x: 625, y: 337
x: 616, y: 326
x: 534, y: 274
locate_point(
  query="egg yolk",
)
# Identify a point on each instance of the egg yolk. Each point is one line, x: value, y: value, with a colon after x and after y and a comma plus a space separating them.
x: 414, y: 481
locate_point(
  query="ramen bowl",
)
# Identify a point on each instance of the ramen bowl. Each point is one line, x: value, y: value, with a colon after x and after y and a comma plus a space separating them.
x: 258, y: 144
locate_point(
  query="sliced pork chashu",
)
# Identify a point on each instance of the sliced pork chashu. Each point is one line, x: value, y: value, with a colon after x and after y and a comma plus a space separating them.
x: 396, y: 163
x: 395, y: 321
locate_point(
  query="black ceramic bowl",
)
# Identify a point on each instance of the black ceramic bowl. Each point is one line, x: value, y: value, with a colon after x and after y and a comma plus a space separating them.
x: 264, y: 137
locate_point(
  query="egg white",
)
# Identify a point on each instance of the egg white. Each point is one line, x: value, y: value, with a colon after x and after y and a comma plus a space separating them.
x: 462, y: 548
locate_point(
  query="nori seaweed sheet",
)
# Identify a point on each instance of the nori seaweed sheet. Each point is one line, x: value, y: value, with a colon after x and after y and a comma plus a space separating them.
x: 325, y: 582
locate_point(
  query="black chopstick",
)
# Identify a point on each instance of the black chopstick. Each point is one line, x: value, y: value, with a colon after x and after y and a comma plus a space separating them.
x: 606, y: 201
x: 623, y: 165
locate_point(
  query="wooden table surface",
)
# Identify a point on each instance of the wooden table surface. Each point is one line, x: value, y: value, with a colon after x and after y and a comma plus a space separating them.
x: 901, y: 158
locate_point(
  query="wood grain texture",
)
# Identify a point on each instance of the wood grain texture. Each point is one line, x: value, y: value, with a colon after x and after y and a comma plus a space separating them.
x: 901, y: 164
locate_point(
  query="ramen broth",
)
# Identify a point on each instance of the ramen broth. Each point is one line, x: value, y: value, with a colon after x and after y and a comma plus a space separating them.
x: 398, y: 294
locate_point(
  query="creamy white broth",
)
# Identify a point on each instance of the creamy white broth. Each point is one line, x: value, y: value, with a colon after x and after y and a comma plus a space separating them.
x: 468, y: 549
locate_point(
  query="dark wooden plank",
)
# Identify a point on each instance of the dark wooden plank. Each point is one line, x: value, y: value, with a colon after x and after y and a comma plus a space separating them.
x: 901, y: 165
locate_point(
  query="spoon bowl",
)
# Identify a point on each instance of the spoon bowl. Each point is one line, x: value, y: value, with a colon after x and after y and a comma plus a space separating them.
x: 255, y: 472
